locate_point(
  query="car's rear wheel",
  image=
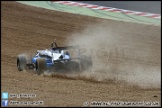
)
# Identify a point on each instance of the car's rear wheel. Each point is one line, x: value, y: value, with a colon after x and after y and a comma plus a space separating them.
x: 21, y: 62
x: 85, y: 62
x: 72, y: 66
x: 41, y: 66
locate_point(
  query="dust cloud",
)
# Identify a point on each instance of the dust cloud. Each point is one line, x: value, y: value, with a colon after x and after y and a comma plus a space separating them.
x: 120, y: 54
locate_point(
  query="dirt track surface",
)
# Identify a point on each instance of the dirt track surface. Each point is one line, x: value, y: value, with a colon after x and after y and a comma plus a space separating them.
x: 26, y: 29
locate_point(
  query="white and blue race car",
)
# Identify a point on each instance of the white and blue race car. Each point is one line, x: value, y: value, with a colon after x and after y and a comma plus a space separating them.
x: 54, y: 58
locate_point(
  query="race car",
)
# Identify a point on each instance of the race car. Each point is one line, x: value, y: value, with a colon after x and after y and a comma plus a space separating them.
x: 55, y: 58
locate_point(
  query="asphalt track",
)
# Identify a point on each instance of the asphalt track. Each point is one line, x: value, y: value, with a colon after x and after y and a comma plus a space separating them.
x: 141, y: 6
x: 26, y: 29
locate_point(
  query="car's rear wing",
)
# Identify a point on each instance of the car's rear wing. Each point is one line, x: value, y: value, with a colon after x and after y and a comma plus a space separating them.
x: 68, y: 47
x: 55, y: 46
x: 71, y: 47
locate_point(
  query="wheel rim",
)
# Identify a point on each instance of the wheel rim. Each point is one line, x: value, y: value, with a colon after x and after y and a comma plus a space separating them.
x: 18, y: 64
x: 36, y: 66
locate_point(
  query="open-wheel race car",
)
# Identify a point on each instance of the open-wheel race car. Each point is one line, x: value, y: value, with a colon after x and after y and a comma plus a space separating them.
x: 55, y: 58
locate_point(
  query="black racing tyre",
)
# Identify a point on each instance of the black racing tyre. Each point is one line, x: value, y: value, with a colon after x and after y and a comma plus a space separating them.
x: 21, y: 62
x: 40, y: 66
x: 85, y: 62
x: 72, y: 66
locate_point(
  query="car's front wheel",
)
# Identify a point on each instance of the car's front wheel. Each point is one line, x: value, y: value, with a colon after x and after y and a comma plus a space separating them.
x: 40, y: 66
x: 21, y: 62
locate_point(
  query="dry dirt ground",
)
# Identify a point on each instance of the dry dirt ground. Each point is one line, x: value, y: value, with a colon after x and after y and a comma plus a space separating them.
x: 26, y: 29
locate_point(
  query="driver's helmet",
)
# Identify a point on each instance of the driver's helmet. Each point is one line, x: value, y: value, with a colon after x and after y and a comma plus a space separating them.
x: 53, y: 45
